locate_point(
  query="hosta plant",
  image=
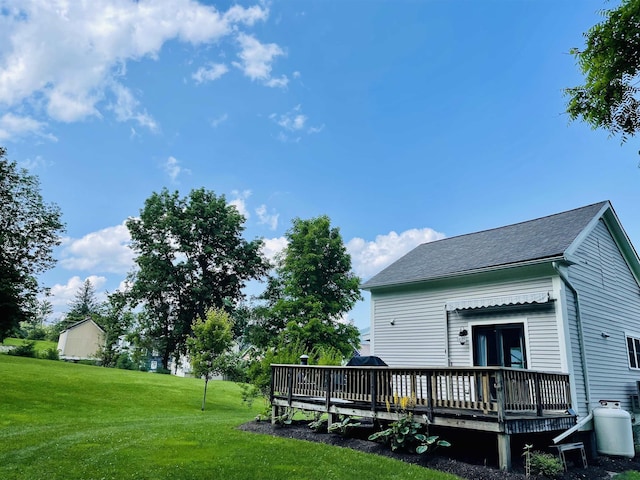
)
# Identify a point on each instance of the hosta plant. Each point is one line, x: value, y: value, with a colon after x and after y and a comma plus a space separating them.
x: 406, y: 434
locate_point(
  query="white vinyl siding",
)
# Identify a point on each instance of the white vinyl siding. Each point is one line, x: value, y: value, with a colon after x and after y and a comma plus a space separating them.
x: 633, y: 351
x: 418, y: 335
x: 609, y: 307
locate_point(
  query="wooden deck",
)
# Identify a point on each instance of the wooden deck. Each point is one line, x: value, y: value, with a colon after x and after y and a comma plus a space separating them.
x: 505, y: 401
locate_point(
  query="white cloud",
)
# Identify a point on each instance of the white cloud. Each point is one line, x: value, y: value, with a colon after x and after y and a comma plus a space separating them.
x: 62, y: 295
x: 256, y: 59
x: 369, y: 258
x: 126, y: 108
x: 270, y: 219
x: 106, y: 250
x: 240, y: 202
x: 284, y: 138
x: 173, y: 169
x: 216, y: 122
x: 248, y: 16
x: 293, y: 121
x: 14, y: 126
x: 63, y: 58
x: 280, y: 82
x: 273, y: 246
x: 211, y: 72
x: 36, y: 163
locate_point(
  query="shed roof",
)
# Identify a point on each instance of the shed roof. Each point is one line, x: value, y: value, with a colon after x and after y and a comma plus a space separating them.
x: 81, y: 322
x: 545, y: 238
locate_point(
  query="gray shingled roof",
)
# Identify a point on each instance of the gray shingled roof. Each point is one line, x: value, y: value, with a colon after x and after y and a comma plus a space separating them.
x: 543, y: 238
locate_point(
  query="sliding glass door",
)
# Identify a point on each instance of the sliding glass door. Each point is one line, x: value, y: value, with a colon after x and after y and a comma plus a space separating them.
x: 499, y: 345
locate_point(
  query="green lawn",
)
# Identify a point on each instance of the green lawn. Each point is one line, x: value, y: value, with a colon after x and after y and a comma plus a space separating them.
x: 67, y: 421
x: 40, y: 345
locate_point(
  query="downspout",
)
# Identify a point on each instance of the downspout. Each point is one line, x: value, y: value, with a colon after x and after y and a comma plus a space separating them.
x: 575, y: 428
x: 583, y: 358
x: 446, y: 336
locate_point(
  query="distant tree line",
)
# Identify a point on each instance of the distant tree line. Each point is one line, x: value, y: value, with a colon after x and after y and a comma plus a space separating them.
x: 185, y: 294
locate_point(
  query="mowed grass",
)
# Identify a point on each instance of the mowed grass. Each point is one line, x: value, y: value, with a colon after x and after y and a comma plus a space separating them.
x: 67, y: 421
x: 40, y: 345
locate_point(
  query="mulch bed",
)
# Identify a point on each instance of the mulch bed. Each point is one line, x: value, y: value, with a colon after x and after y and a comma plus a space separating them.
x: 471, y: 457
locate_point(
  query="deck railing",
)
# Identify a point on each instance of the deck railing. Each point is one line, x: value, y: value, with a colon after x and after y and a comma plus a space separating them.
x: 488, y: 390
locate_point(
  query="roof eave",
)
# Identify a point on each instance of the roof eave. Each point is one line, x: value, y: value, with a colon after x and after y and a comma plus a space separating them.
x: 493, y: 268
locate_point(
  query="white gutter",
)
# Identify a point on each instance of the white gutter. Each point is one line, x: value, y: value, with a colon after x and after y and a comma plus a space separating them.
x: 577, y: 426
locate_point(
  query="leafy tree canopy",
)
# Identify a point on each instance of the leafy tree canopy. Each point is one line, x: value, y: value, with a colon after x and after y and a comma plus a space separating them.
x: 610, y: 63
x: 29, y: 229
x: 191, y: 257
x: 311, y: 291
x: 116, y: 320
x: 210, y: 339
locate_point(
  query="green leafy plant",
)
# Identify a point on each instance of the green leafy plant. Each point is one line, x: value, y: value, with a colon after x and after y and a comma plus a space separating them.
x: 405, y: 434
x: 50, y: 354
x: 284, y: 419
x: 248, y: 393
x: 545, y: 464
x: 319, y: 423
x: 344, y: 426
x: 124, y: 362
x: 27, y: 349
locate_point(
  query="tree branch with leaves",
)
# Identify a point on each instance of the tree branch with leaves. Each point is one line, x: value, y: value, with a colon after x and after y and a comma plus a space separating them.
x: 610, y: 63
x: 29, y: 229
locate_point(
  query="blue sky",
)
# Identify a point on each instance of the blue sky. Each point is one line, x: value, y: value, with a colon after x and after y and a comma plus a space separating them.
x: 403, y: 121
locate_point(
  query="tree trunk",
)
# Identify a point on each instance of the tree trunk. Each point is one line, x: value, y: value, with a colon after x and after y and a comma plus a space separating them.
x: 204, y: 398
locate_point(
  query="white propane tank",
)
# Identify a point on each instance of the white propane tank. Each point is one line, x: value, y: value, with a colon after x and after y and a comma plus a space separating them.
x: 612, y: 424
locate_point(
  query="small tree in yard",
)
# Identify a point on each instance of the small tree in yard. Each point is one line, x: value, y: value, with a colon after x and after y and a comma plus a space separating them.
x: 211, y: 338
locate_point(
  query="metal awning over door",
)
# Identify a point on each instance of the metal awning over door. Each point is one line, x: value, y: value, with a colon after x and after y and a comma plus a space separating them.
x: 484, y: 302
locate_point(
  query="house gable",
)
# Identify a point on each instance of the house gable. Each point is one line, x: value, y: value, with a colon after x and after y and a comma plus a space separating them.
x: 604, y: 275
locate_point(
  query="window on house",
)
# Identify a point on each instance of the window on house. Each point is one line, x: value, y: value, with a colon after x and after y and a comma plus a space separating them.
x: 633, y: 347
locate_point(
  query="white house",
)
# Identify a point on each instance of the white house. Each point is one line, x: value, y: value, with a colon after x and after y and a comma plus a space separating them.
x: 559, y: 294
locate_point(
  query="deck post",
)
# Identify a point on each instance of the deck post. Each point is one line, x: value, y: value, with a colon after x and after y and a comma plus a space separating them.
x: 538, y: 393
x: 374, y: 389
x: 430, y: 378
x: 289, y: 384
x: 329, y: 378
x: 271, y: 386
x: 330, y: 419
x: 504, y: 451
x: 500, y: 395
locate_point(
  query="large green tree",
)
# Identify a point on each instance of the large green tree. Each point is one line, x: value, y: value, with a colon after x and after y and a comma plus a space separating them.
x: 116, y: 319
x: 610, y: 62
x: 191, y: 257
x: 312, y: 290
x: 29, y: 229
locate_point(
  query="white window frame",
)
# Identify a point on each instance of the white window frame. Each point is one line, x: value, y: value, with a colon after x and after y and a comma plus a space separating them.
x: 636, y: 350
